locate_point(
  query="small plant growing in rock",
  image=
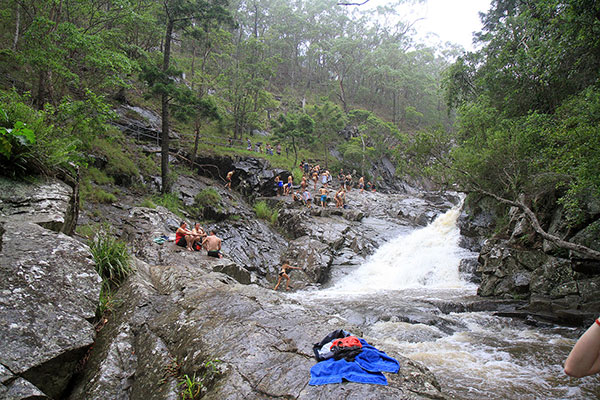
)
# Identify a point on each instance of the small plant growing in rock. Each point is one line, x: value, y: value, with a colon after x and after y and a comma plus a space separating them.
x: 113, y: 262
x: 194, y: 386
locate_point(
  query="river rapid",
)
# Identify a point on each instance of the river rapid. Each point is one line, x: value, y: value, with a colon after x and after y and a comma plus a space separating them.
x: 399, y: 297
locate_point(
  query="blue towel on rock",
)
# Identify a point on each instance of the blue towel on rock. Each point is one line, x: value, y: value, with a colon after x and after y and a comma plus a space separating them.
x: 366, y: 368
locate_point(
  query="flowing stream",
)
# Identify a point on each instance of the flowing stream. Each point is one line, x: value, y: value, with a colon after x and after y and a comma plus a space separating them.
x: 397, y: 297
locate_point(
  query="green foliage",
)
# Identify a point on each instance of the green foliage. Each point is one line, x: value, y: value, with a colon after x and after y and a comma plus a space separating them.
x: 193, y: 387
x: 263, y: 211
x: 113, y: 262
x: 120, y: 162
x: 207, y: 197
x: 148, y: 203
x: 296, y: 128
x: 171, y: 202
x: 99, y: 176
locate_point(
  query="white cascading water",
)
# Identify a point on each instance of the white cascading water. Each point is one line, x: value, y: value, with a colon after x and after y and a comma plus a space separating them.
x: 425, y: 257
x: 490, y: 357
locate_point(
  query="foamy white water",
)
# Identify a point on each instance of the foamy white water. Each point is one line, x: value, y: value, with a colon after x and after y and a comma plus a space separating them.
x: 478, y: 355
x: 425, y: 257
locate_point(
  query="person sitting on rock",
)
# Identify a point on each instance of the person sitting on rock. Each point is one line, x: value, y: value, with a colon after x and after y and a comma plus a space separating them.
x: 212, y: 244
x: 283, y: 274
x: 184, y: 237
x: 199, y: 233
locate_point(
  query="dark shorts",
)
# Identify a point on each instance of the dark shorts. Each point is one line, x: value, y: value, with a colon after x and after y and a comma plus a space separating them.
x: 213, y: 253
x: 181, y: 242
x: 323, y: 198
x: 281, y: 273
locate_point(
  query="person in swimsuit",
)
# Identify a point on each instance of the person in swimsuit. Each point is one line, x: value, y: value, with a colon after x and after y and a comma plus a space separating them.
x: 323, y: 192
x: 361, y: 184
x: 339, y: 195
x: 212, y: 244
x: 288, y: 188
x: 184, y: 237
x: 229, y: 175
x: 283, y: 274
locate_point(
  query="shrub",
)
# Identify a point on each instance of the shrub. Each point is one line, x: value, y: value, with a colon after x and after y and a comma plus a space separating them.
x: 207, y: 197
x: 104, y: 197
x: 171, y: 202
x: 113, y: 262
x: 148, y: 203
x: 263, y: 211
x: 99, y: 176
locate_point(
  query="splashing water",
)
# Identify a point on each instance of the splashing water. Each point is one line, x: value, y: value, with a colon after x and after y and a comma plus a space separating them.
x: 426, y: 257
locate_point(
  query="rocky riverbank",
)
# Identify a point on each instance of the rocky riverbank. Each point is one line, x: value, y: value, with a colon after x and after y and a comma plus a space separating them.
x: 184, y: 314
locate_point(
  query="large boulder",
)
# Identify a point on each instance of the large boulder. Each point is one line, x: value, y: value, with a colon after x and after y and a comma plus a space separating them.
x: 242, y: 341
x: 48, y: 293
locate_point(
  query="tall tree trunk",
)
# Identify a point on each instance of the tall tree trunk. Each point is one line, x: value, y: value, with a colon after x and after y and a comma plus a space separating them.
x: 193, y: 71
x: 342, y: 96
x: 197, y: 137
x: 164, y: 162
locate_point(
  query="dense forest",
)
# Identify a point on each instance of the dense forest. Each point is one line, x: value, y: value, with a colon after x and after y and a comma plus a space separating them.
x: 517, y: 119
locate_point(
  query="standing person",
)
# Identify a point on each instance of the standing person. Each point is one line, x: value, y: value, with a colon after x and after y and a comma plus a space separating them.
x: 315, y: 177
x: 278, y: 185
x: 229, y: 175
x: 341, y: 176
x: 249, y: 144
x: 348, y: 182
x: 361, y: 184
x: 307, y: 198
x: 338, y: 198
x: 283, y: 274
x: 212, y: 244
x: 323, y: 192
x: 306, y: 168
x: 279, y: 149
x: 184, y: 237
x: 324, y: 178
x: 288, y: 188
x: 303, y: 183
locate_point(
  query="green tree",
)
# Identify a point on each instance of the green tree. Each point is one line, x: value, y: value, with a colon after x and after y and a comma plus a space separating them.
x: 329, y: 120
x: 178, y: 15
x: 296, y: 128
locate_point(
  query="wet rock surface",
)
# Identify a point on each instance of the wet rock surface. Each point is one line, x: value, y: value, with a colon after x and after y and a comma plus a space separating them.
x: 172, y: 324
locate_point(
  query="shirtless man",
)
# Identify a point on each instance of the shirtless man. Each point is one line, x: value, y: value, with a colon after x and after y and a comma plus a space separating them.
x: 303, y: 184
x: 283, y: 274
x: 229, y: 175
x: 184, y: 237
x: 315, y: 178
x: 212, y: 244
x: 323, y: 192
x: 198, y: 233
x: 361, y: 184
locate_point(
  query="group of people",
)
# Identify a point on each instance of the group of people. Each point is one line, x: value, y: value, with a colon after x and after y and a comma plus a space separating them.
x: 197, y: 239
x: 324, y: 177
x: 258, y: 147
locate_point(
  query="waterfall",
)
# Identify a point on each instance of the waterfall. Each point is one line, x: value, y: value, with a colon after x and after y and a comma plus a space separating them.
x: 427, y: 257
